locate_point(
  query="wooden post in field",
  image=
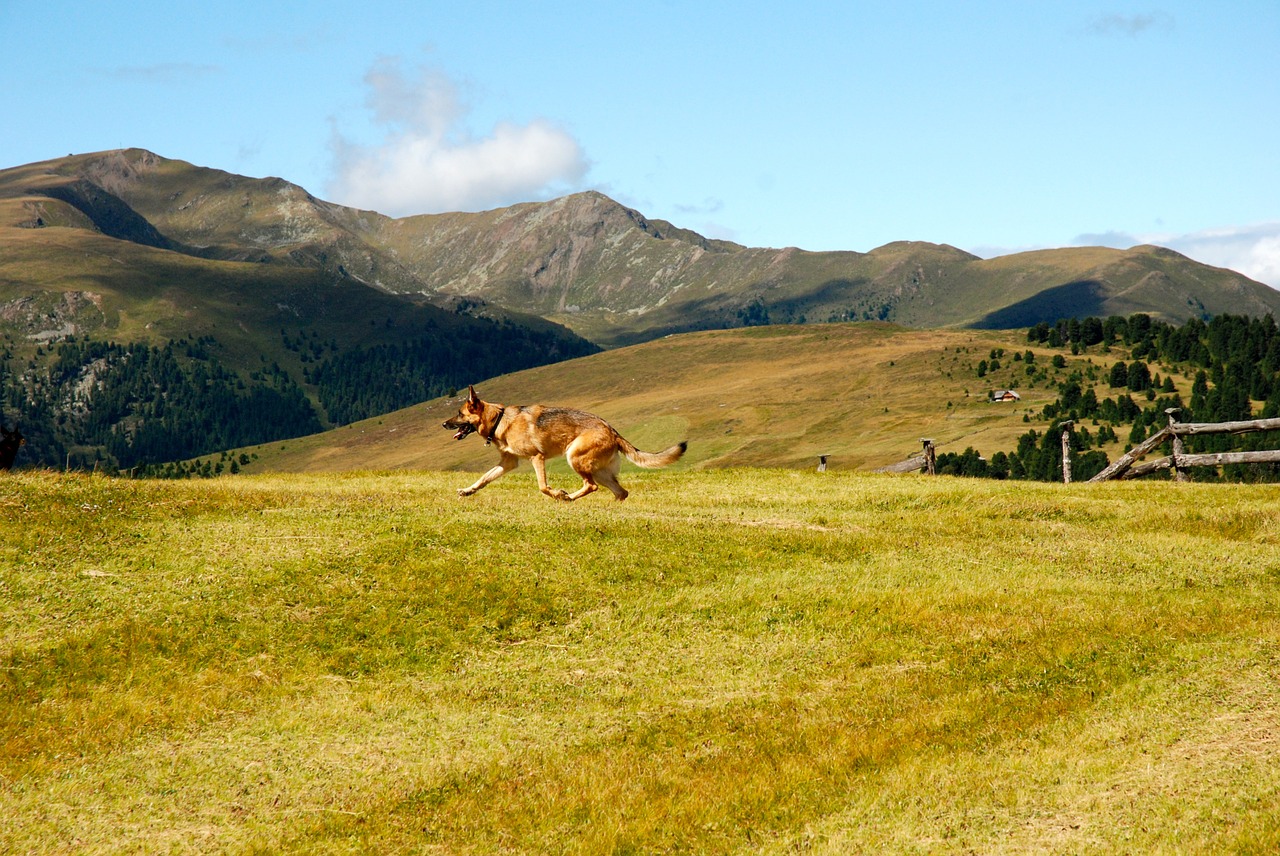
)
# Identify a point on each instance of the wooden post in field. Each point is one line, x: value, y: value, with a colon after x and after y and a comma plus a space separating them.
x: 1066, y: 451
x: 1179, y: 473
x: 930, y: 458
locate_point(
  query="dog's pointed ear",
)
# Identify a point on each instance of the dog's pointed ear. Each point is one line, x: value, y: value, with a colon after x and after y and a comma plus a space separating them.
x: 471, y: 395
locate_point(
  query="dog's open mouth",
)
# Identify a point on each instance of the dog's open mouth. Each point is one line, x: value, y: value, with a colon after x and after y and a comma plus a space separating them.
x: 463, y: 430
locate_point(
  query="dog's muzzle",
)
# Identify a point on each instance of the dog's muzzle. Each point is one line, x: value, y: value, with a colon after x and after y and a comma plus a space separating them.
x: 464, y: 428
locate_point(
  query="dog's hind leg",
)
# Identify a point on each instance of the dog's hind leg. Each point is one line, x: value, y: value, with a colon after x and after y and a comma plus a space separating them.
x: 505, y: 465
x: 608, y: 477
x: 540, y: 467
x: 591, y: 460
x: 604, y: 474
x: 588, y: 486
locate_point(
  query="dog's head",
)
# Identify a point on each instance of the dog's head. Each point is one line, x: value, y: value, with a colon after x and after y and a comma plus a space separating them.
x: 13, y: 437
x: 467, y: 420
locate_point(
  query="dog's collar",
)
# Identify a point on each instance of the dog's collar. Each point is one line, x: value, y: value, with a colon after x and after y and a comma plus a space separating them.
x: 493, y: 432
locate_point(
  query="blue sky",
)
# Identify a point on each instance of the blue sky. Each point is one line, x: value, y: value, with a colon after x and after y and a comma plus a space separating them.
x: 991, y: 126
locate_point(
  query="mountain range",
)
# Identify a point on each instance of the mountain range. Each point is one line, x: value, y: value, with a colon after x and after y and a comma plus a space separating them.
x: 332, y: 314
x: 602, y: 269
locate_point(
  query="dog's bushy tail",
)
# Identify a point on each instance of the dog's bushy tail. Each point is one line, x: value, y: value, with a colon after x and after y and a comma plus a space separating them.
x: 652, y: 459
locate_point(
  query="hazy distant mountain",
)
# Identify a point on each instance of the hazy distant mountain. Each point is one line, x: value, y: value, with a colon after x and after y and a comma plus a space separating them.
x: 605, y: 270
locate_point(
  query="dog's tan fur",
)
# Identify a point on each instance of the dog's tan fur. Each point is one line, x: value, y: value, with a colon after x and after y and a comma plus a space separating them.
x: 589, y: 444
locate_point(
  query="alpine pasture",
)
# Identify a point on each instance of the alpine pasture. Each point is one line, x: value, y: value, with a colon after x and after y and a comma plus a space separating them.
x: 734, y: 660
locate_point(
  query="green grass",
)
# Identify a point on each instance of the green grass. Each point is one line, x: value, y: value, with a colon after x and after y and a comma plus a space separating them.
x: 150, y: 295
x: 731, y: 661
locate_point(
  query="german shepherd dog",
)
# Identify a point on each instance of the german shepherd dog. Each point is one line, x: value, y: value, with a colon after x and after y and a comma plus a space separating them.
x: 590, y: 444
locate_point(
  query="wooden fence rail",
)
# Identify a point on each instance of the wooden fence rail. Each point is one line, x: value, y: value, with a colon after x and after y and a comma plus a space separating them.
x: 1217, y: 459
x: 1247, y: 426
x: 1126, y: 466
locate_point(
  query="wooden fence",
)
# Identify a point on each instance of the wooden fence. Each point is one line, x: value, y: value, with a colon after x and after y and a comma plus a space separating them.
x: 927, y: 460
x: 1126, y: 466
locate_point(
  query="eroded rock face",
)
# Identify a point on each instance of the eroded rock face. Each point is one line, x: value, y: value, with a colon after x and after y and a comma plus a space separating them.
x: 49, y: 315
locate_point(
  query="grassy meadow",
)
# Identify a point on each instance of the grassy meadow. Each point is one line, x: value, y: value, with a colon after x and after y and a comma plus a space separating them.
x: 766, y: 397
x: 733, y: 661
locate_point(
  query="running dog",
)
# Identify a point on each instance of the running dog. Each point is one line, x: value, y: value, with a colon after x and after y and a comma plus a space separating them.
x: 590, y: 444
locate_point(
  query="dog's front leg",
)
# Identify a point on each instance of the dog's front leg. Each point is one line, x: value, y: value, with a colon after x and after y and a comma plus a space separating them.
x: 540, y: 467
x: 506, y: 465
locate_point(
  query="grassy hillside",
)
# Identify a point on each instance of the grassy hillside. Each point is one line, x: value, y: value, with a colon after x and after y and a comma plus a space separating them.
x: 732, y: 661
x: 143, y: 293
x: 1082, y: 281
x: 167, y: 250
x: 767, y: 396
x: 65, y: 276
x: 152, y: 295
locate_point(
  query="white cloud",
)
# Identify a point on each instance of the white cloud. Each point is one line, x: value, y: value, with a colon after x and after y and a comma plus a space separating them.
x: 1252, y: 250
x: 427, y: 162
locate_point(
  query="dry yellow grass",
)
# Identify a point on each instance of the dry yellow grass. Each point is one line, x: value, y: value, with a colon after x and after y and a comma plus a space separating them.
x: 731, y: 661
x: 772, y: 396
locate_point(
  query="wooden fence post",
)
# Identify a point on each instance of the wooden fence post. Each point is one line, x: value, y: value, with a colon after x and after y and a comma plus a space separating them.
x: 1179, y: 473
x: 930, y: 459
x: 1066, y: 451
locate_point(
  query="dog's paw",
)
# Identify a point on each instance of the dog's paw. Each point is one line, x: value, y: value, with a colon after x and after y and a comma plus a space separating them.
x: 465, y: 491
